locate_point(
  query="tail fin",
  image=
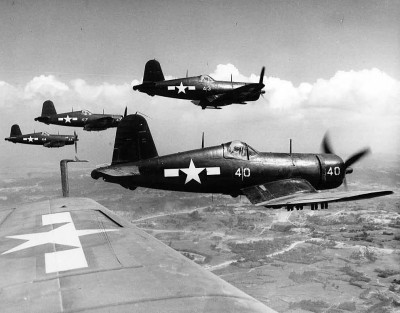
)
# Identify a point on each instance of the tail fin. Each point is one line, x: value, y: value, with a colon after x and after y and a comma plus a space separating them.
x: 133, y: 141
x: 48, y: 108
x: 15, y: 131
x: 153, y: 72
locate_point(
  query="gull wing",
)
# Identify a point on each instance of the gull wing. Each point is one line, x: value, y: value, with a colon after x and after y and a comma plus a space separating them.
x: 99, y: 124
x: 291, y: 192
x: 74, y: 255
x: 237, y: 95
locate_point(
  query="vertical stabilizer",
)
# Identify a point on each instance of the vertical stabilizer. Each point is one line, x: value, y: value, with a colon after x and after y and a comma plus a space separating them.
x: 153, y: 72
x: 133, y: 141
x: 15, y: 131
x: 48, y: 108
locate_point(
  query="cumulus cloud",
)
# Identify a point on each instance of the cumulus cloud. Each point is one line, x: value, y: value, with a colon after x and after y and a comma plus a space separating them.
x: 351, y: 103
x: 46, y: 86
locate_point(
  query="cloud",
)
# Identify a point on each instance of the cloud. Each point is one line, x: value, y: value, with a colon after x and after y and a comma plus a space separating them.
x: 359, y: 107
x: 45, y: 86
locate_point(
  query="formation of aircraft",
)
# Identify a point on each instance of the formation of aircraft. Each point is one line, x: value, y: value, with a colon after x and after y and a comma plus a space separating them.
x: 84, y: 118
x: 72, y: 254
x: 272, y: 180
x: 42, y: 138
x: 203, y: 90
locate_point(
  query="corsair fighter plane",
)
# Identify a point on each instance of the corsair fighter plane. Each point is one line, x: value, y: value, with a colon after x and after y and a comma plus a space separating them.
x: 41, y: 138
x: 84, y: 118
x: 203, y: 90
x: 273, y: 180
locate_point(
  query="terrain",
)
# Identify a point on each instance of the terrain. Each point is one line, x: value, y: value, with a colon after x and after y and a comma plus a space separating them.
x: 344, y: 259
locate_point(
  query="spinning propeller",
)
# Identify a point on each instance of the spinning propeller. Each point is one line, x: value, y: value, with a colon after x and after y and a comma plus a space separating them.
x: 327, y: 148
x: 76, y: 142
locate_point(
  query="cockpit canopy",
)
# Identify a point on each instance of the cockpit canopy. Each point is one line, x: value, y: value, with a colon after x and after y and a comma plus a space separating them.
x: 44, y: 133
x: 238, y: 150
x: 206, y: 79
x: 86, y: 112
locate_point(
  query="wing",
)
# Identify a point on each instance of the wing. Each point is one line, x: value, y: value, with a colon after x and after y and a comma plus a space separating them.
x: 54, y: 144
x: 293, y: 192
x: 99, y: 124
x: 72, y: 254
x: 238, y: 95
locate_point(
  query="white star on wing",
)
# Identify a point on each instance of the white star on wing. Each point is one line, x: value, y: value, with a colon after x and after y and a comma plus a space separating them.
x: 192, y: 172
x: 64, y: 235
x: 67, y: 119
x: 181, y: 88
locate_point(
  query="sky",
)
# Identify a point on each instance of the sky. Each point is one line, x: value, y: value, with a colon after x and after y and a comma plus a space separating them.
x: 330, y: 66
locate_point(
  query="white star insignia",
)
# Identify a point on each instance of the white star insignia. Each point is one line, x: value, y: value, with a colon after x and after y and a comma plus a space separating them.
x: 181, y: 88
x: 67, y: 119
x: 64, y: 235
x: 192, y: 172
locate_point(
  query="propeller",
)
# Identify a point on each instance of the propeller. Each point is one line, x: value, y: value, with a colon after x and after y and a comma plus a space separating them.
x: 202, y: 141
x: 262, y: 75
x: 126, y: 111
x: 327, y: 148
x: 76, y: 142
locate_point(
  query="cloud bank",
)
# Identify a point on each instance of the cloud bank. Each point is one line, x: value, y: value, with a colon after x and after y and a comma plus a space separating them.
x: 359, y: 107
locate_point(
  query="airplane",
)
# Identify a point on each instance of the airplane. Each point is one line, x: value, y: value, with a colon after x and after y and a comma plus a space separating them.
x: 203, y: 90
x: 84, y: 118
x: 75, y: 255
x: 42, y: 138
x: 271, y: 180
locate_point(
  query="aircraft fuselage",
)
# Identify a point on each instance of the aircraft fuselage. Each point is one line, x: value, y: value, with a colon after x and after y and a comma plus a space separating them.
x: 47, y: 140
x: 216, y: 170
x: 79, y: 119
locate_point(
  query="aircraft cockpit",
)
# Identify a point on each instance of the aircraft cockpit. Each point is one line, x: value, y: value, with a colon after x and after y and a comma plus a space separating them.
x: 45, y: 134
x: 238, y: 150
x: 86, y: 112
x: 206, y: 79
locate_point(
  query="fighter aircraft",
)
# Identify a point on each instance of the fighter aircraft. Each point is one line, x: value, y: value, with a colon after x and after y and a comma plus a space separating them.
x: 75, y: 255
x: 203, y: 90
x: 89, y: 121
x: 272, y: 180
x: 42, y: 138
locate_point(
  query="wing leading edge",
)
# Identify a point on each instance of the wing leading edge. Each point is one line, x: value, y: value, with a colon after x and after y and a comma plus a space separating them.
x: 299, y: 192
x: 72, y: 254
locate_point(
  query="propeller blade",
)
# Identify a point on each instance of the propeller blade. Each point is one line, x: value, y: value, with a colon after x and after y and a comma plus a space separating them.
x: 262, y: 75
x: 126, y: 111
x: 326, y: 145
x: 202, y: 141
x: 345, y: 183
x: 356, y: 157
x: 76, y: 142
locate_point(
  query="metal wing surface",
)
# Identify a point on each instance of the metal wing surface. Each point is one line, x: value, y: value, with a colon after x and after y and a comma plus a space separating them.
x: 239, y: 94
x: 301, y: 192
x: 99, y: 123
x: 74, y: 255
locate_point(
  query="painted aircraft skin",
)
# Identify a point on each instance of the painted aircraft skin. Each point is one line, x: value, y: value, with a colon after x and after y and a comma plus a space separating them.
x: 84, y: 118
x: 41, y: 138
x: 268, y: 179
x: 75, y: 255
x: 203, y: 90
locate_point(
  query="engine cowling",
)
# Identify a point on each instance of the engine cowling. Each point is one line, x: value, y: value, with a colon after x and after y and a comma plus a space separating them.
x: 332, y: 171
